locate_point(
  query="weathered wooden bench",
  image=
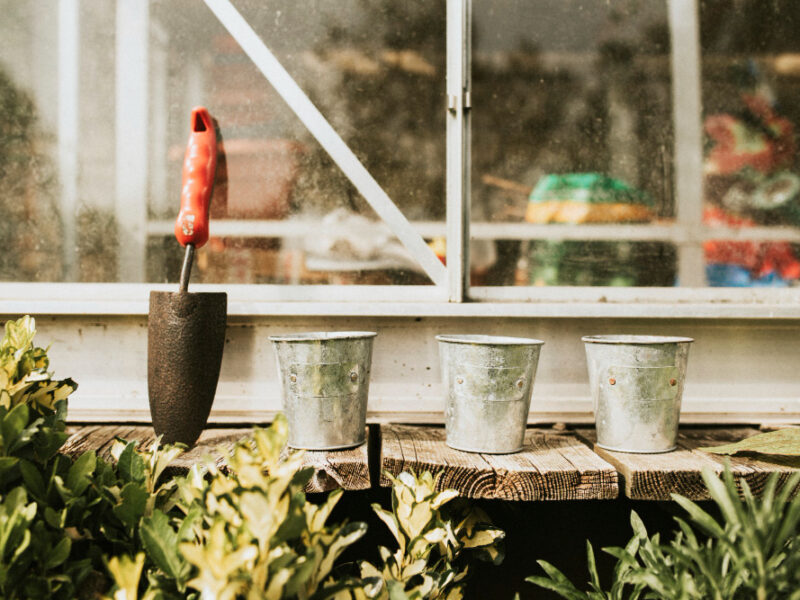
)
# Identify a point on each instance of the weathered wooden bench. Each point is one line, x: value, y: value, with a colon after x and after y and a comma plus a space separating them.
x: 556, y: 463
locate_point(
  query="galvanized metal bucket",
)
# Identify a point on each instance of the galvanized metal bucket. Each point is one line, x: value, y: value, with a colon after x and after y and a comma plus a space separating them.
x: 637, y: 384
x: 489, y: 381
x: 325, y: 383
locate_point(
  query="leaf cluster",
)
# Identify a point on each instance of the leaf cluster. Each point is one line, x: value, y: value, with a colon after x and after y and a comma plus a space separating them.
x: 242, y: 528
x: 24, y: 378
x: 751, y: 551
x: 59, y: 516
x: 238, y: 528
x: 435, y: 535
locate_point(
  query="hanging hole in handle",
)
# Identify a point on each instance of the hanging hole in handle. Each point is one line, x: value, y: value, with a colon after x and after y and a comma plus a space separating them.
x: 520, y: 384
x: 353, y: 376
x: 459, y: 380
x: 293, y: 378
x: 199, y: 124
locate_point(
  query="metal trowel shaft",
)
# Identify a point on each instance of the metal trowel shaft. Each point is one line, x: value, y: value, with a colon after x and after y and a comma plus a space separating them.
x: 186, y: 270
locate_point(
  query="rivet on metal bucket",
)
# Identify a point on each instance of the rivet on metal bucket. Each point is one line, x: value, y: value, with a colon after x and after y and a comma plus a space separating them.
x: 489, y: 397
x: 639, y: 411
x: 325, y: 383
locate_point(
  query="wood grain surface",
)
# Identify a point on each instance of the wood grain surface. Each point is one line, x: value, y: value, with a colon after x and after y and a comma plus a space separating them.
x: 347, y: 469
x: 552, y: 466
x: 657, y: 476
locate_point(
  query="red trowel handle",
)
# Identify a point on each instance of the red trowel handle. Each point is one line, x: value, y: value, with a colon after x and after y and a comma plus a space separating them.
x: 199, y: 166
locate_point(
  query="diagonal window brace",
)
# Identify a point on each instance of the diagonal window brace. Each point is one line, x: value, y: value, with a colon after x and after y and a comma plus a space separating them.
x: 324, y: 133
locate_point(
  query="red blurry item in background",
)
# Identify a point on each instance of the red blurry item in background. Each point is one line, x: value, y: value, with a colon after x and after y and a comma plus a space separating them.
x: 779, y: 258
x: 761, y: 259
x: 199, y: 168
x: 739, y: 144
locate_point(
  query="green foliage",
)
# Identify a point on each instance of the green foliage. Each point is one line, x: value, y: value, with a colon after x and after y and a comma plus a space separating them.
x: 752, y: 551
x: 621, y: 587
x: 126, y: 573
x: 244, y: 530
x: 433, y: 542
x: 240, y: 529
x: 24, y: 379
x: 16, y: 516
x: 37, y: 486
x: 61, y: 516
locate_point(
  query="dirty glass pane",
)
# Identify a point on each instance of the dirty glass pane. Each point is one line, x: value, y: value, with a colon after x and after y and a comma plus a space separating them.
x: 751, y: 82
x: 572, y: 135
x: 374, y: 68
x: 30, y: 227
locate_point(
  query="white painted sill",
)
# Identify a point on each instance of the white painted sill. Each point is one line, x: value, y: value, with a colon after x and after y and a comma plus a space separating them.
x: 120, y: 299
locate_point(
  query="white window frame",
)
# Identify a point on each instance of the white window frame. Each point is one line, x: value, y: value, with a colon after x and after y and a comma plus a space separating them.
x: 451, y: 283
x: 105, y: 324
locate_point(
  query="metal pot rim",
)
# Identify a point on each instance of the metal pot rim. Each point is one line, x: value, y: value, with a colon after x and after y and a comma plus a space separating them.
x: 322, y: 336
x: 637, y: 340
x: 487, y: 340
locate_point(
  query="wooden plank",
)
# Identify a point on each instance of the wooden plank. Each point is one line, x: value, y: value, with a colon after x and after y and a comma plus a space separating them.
x: 553, y: 466
x: 346, y: 469
x: 656, y: 476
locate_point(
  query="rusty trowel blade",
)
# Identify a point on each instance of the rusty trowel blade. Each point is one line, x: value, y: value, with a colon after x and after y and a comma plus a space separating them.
x: 185, y: 339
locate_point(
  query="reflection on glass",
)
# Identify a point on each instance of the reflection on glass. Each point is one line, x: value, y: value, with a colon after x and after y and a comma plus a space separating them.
x: 374, y: 68
x: 30, y: 230
x: 601, y: 263
x: 572, y: 126
x: 751, y: 64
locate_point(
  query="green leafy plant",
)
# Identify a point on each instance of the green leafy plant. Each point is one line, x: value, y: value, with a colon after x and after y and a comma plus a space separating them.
x: 247, y: 531
x: 35, y: 542
x: 751, y: 551
x: 238, y: 529
x: 61, y: 516
x: 24, y: 379
x: 434, y: 535
x: 242, y: 530
x: 620, y: 589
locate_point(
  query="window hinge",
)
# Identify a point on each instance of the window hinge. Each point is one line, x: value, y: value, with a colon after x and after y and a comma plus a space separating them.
x: 452, y: 102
